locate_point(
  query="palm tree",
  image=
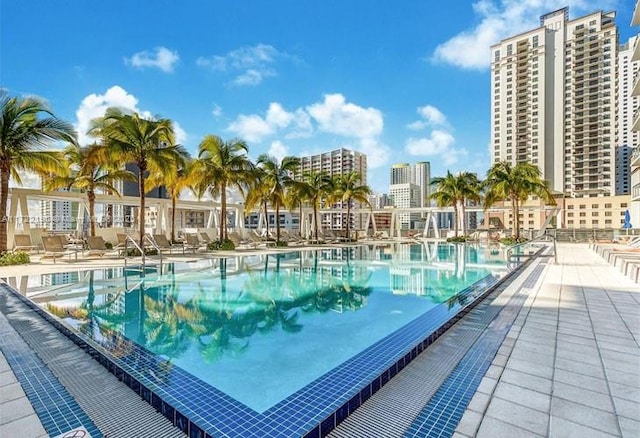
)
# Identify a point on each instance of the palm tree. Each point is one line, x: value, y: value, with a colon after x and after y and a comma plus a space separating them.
x: 148, y: 143
x: 258, y: 195
x: 348, y: 189
x: 222, y: 164
x: 277, y: 177
x: 453, y: 191
x: 175, y: 182
x: 319, y: 186
x: 23, y: 135
x: 297, y: 194
x: 506, y: 182
x: 88, y: 169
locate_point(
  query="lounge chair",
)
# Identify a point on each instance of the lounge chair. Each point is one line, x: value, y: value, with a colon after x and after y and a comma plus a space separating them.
x: 97, y: 247
x: 54, y: 247
x: 22, y: 242
x: 241, y: 243
x: 163, y: 243
x: 192, y: 243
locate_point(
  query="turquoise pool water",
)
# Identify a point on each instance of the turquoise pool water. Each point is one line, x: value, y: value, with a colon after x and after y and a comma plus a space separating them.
x: 260, y: 328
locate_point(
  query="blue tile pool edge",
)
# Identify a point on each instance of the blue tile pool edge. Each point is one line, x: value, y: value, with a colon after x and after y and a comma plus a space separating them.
x: 171, y: 409
x: 327, y: 425
x: 57, y: 410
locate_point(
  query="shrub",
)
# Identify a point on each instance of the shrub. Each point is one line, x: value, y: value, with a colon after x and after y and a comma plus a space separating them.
x: 282, y: 243
x: 458, y: 239
x: 511, y: 240
x: 14, y: 258
x: 108, y: 245
x: 225, y: 245
x: 133, y: 252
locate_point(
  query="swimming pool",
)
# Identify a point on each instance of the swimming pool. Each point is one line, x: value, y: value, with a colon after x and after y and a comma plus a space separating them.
x: 274, y: 344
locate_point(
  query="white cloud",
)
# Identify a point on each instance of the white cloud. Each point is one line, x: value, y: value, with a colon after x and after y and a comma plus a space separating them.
x: 431, y: 116
x: 278, y: 150
x: 251, y: 65
x: 181, y: 134
x: 95, y: 105
x: 500, y: 19
x: 254, y: 128
x: 160, y: 57
x: 438, y: 144
x: 378, y: 154
x: 216, y: 111
x: 336, y: 116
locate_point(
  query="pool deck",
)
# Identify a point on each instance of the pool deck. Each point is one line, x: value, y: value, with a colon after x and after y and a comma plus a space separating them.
x: 568, y: 366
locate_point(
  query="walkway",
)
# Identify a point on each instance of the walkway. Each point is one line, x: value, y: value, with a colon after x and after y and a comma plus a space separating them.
x: 570, y: 365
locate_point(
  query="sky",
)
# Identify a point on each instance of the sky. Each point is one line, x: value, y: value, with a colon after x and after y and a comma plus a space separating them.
x: 401, y: 81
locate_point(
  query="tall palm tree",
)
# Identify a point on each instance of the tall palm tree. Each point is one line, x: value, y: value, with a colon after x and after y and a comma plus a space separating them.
x: 319, y: 186
x: 349, y: 189
x: 148, y: 143
x: 88, y: 169
x: 222, y: 164
x: 453, y: 191
x: 23, y: 135
x: 515, y: 183
x: 258, y: 195
x: 298, y: 193
x: 277, y: 177
x: 175, y: 182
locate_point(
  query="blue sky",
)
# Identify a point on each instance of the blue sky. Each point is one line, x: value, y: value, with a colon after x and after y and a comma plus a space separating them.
x: 402, y: 81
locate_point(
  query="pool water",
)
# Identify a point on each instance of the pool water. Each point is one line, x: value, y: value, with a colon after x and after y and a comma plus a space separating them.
x: 261, y: 328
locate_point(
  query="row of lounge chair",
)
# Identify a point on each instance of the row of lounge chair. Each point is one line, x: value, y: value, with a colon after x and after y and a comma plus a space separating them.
x: 625, y: 255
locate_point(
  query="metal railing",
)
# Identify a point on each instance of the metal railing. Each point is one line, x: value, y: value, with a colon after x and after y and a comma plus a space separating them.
x: 151, y: 243
x: 541, y: 238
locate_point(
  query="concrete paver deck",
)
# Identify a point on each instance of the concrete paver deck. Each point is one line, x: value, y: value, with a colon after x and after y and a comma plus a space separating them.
x: 570, y: 365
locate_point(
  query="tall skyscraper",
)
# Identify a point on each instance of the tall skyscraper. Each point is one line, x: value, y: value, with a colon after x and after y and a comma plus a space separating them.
x: 635, y: 157
x: 554, y: 101
x: 627, y: 105
x: 337, y: 162
x: 409, y: 187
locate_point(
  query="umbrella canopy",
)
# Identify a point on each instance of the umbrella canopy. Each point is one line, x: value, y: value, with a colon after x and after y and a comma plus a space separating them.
x: 627, y: 220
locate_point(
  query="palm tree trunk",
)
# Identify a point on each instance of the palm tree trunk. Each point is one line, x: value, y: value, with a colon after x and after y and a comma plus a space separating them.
x: 348, y: 219
x: 141, y: 213
x: 315, y: 219
x: 277, y: 222
x: 456, y: 218
x: 266, y: 218
x: 5, y: 168
x: 516, y: 219
x: 223, y: 212
x: 300, y: 221
x: 92, y: 209
x: 463, y: 219
x: 173, y: 219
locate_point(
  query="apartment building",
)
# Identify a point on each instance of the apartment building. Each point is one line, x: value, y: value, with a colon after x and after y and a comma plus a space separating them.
x: 635, y: 158
x: 336, y: 162
x: 554, y: 101
x: 627, y: 105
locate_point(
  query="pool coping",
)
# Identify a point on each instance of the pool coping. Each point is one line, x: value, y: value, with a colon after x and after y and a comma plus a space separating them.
x: 320, y: 425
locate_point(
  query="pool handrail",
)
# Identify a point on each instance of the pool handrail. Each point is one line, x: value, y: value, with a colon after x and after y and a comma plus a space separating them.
x: 540, y: 237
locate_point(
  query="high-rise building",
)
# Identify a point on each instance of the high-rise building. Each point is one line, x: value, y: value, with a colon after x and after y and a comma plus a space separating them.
x: 379, y: 200
x: 554, y: 101
x: 337, y: 162
x: 58, y: 215
x: 635, y: 157
x: 418, y: 174
x: 406, y: 195
x: 627, y: 105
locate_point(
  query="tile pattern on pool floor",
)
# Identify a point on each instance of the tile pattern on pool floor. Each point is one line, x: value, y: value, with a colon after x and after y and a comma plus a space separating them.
x: 200, y: 410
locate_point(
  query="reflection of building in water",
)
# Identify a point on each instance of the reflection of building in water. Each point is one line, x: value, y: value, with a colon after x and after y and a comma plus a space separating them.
x: 59, y: 278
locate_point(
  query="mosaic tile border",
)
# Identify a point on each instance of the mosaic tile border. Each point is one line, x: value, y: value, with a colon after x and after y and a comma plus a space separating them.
x: 57, y: 410
x: 314, y: 411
